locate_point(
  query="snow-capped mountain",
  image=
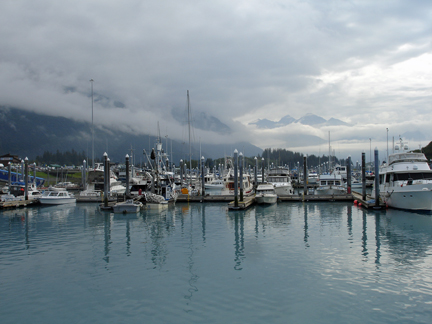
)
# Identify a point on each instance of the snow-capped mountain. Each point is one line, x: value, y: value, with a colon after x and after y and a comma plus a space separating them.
x: 308, y: 119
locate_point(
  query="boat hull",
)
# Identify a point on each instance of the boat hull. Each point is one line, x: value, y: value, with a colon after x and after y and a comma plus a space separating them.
x: 266, y: 199
x: 126, y: 208
x: 56, y: 201
x: 156, y: 206
x: 410, y: 198
x: 331, y: 191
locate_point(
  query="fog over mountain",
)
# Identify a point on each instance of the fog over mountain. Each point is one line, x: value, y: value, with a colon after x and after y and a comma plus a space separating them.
x: 308, y: 119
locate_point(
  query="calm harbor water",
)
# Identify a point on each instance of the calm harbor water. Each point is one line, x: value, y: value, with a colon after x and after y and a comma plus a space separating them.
x: 200, y: 263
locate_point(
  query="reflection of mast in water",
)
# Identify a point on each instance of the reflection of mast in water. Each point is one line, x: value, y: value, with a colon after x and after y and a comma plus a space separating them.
x: 128, y: 244
x: 306, y: 235
x: 193, y: 277
x: 377, y: 239
x: 349, y: 223
x: 364, y: 236
x: 107, y: 236
x: 26, y: 230
x: 239, y: 240
x: 203, y: 223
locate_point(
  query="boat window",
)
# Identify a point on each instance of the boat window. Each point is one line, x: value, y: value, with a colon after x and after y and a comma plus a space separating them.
x: 402, y: 176
x: 337, y: 183
x: 387, y: 177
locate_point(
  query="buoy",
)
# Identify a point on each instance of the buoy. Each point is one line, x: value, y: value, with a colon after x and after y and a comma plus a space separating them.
x: 355, y: 202
x: 359, y: 204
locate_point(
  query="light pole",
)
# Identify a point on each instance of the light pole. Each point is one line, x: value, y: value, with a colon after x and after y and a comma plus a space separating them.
x: 93, y: 164
x: 387, y: 146
x: 370, y: 154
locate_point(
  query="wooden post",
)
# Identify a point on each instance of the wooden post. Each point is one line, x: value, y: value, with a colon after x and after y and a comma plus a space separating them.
x: 181, y: 174
x: 256, y: 173
x: 9, y: 176
x: 241, y: 176
x: 202, y: 177
x: 305, y: 176
x: 349, y: 175
x: 376, y: 178
x: 127, y: 175
x: 235, y: 178
x: 106, y: 179
x: 26, y: 179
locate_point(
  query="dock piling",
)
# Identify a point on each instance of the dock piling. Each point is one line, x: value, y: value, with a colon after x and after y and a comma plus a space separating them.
x: 235, y: 178
x: 376, y: 178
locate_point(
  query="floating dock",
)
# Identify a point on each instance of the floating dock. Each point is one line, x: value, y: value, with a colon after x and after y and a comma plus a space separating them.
x: 246, y: 203
x: 369, y: 203
x: 18, y: 203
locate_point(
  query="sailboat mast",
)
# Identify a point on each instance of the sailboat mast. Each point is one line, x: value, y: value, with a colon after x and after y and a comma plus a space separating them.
x: 189, y: 128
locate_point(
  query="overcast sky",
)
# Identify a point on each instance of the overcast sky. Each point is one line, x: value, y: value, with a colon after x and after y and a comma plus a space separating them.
x: 367, y: 63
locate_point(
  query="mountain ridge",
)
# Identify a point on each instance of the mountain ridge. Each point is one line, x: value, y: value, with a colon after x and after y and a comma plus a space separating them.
x: 29, y: 134
x: 308, y: 119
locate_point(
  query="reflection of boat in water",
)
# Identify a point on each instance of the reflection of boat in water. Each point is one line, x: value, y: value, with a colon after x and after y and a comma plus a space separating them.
x: 265, y: 194
x: 405, y: 182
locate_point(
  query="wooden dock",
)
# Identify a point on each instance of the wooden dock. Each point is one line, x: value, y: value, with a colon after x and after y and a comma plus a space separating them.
x: 369, y: 203
x: 18, y: 203
x: 246, y: 203
x: 346, y: 197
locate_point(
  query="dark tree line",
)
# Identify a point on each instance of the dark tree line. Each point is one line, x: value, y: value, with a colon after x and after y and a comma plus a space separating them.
x: 281, y: 157
x: 61, y: 158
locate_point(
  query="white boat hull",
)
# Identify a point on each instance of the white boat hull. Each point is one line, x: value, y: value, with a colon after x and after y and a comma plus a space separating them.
x: 283, y: 189
x: 56, y: 201
x: 414, y: 197
x: 331, y: 191
x: 266, y: 199
x: 125, y: 208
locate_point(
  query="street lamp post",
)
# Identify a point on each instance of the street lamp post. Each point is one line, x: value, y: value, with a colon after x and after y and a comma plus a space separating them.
x: 370, y: 154
x: 93, y: 164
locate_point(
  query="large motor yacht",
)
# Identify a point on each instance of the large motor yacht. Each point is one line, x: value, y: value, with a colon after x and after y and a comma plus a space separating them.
x: 405, y: 182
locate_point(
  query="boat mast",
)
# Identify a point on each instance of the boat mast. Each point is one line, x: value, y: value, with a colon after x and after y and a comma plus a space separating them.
x: 189, y: 129
x: 329, y: 161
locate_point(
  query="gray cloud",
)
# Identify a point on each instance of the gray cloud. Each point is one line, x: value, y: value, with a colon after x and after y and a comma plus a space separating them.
x: 367, y: 63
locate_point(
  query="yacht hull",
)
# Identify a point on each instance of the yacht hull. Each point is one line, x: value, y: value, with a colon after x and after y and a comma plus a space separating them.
x: 409, y: 197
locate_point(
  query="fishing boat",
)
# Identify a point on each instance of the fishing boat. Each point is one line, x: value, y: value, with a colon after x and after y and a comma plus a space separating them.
x: 265, y: 194
x: 57, y: 197
x: 405, y: 182
x: 331, y: 184
x: 154, y: 202
x: 281, y: 180
x: 312, y: 178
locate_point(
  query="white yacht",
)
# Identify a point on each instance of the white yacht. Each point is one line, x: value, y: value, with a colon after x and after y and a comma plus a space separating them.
x: 280, y: 179
x: 265, y: 194
x: 57, y: 197
x: 313, y: 178
x: 331, y: 184
x: 405, y: 182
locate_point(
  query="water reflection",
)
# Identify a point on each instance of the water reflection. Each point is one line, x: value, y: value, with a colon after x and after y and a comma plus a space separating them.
x: 406, y: 236
x: 364, y: 235
x: 305, y: 228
